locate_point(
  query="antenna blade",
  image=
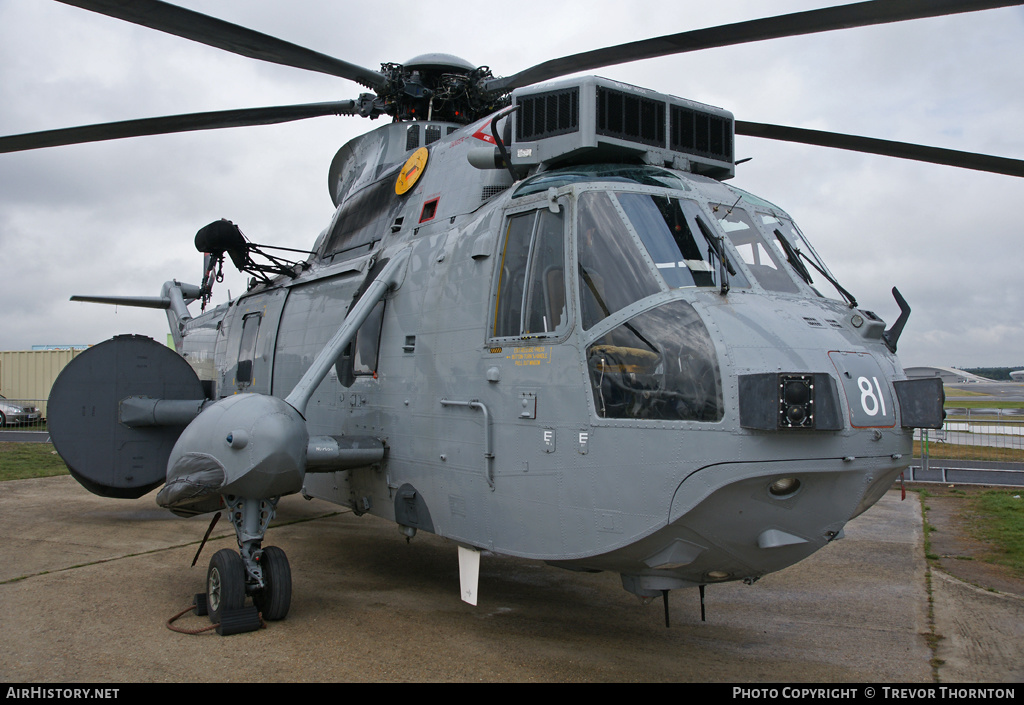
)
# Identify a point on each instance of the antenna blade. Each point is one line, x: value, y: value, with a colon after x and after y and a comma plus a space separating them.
x: 869, y: 145
x: 469, y: 574
x: 175, y: 123
x: 861, y: 14
x: 217, y: 33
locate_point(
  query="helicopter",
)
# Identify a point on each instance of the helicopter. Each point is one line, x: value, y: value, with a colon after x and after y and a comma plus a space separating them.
x: 539, y: 323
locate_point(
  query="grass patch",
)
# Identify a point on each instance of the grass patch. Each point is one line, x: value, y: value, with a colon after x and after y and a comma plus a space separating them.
x: 957, y: 392
x: 998, y: 519
x: 927, y: 527
x: 949, y: 451
x: 41, y: 427
x: 20, y: 461
x: 932, y: 637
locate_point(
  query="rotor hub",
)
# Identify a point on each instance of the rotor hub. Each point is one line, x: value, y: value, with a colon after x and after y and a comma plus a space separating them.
x: 438, y: 87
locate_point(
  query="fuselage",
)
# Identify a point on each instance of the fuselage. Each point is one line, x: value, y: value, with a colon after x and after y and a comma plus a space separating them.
x: 581, y: 367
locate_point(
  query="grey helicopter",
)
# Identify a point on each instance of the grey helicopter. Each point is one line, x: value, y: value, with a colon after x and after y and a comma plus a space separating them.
x: 540, y: 323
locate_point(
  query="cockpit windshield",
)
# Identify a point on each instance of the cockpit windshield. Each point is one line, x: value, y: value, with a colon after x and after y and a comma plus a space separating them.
x: 683, y: 247
x: 786, y: 236
x: 632, y: 243
x: 763, y: 260
x: 612, y: 229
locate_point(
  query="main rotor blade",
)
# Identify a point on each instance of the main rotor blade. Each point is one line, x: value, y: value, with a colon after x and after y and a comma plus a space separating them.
x: 175, y: 123
x: 810, y: 22
x: 230, y: 37
x: 901, y: 150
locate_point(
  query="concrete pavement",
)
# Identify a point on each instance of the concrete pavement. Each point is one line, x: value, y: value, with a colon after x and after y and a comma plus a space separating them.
x: 87, y: 585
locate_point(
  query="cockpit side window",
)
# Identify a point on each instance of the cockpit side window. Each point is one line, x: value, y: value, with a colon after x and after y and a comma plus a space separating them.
x: 530, y: 298
x: 612, y: 272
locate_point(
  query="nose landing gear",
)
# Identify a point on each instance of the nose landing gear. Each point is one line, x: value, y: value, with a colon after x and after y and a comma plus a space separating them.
x: 260, y: 573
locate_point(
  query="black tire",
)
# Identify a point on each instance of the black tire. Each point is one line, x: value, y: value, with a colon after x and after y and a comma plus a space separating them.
x: 3, y: 420
x: 275, y: 598
x: 225, y: 583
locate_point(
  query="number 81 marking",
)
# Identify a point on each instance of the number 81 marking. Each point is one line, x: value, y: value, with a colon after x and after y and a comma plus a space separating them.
x: 869, y: 400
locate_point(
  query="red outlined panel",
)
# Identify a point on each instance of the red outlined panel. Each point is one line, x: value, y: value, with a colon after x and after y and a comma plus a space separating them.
x: 429, y: 210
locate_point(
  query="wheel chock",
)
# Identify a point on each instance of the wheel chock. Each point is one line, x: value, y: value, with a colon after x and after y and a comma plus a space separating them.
x: 238, y: 621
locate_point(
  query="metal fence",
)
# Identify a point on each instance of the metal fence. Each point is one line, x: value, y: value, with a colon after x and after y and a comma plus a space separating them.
x: 979, y: 439
x: 22, y: 415
x: 978, y: 447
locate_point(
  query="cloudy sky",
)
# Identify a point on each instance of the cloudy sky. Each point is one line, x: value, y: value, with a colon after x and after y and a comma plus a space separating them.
x: 120, y: 217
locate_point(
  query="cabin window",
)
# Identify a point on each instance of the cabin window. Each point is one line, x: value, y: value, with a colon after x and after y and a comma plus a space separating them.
x: 247, y: 349
x: 530, y: 297
x: 761, y: 258
x: 612, y: 272
x: 360, y: 358
x: 367, y: 342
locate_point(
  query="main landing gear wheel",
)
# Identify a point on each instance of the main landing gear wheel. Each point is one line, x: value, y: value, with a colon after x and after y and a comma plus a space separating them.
x: 225, y: 584
x: 275, y: 598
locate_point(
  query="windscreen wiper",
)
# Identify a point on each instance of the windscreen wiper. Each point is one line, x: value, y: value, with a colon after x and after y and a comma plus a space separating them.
x: 793, y: 256
x: 798, y: 254
x: 716, y: 245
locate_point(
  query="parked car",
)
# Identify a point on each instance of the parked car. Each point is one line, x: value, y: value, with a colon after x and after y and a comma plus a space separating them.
x: 16, y: 413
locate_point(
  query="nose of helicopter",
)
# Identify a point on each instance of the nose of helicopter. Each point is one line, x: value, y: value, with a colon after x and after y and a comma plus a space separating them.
x: 740, y: 521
